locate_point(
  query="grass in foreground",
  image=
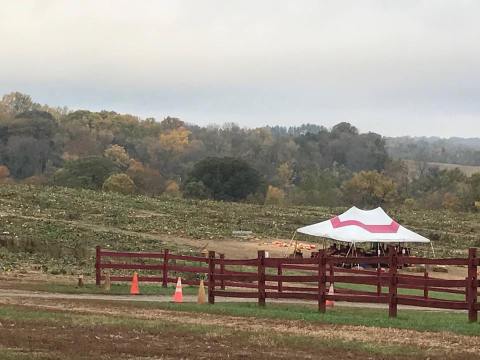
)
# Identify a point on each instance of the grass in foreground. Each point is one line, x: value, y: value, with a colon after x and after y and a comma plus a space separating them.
x: 436, y: 321
x: 408, y: 319
x: 109, y: 337
x: 423, y: 320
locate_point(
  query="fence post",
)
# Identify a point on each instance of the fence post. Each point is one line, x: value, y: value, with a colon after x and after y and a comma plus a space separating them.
x: 222, y: 271
x: 392, y: 290
x: 211, y: 277
x: 322, y: 280
x: 279, y: 273
x: 425, y: 286
x: 261, y: 277
x: 165, y: 269
x: 98, y: 261
x: 471, y: 290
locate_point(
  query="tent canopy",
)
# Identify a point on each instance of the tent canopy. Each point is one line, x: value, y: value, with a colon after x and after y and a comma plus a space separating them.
x: 356, y: 225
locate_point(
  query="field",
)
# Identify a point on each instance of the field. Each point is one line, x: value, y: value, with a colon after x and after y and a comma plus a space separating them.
x: 468, y: 170
x: 56, y: 229
x: 48, y: 236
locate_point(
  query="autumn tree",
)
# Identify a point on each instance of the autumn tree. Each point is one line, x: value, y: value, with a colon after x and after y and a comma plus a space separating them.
x: 4, y: 172
x: 369, y: 189
x: 86, y: 134
x: 16, y: 103
x: 171, y: 123
x: 5, y: 175
x: 172, y: 188
x: 285, y: 174
x: 148, y: 181
x: 474, y: 183
x: 174, y: 141
x: 118, y: 155
x: 274, y: 196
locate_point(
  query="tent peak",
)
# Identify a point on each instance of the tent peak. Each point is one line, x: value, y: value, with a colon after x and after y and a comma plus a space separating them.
x: 357, y: 225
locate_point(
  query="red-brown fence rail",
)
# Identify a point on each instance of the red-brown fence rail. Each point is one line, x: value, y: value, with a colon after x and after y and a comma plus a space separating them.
x: 264, y: 278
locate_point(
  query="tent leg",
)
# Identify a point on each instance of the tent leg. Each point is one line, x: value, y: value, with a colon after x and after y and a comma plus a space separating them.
x: 349, y: 249
x: 355, y: 254
x: 433, y: 251
x: 290, y: 243
x: 348, y: 252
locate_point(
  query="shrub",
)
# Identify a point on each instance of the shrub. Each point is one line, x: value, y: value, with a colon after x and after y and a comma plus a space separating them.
x: 196, y: 190
x: 5, y: 175
x: 120, y: 183
x: 451, y: 202
x: 409, y: 203
x: 274, y: 195
x: 35, y: 180
x: 4, y: 172
x: 172, y: 188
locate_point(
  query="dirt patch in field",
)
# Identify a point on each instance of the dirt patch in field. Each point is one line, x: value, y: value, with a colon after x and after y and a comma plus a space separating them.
x: 77, y: 342
x: 437, y: 344
x: 64, y: 340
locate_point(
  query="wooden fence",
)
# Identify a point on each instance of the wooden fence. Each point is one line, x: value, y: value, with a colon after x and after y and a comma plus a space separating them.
x: 264, y: 278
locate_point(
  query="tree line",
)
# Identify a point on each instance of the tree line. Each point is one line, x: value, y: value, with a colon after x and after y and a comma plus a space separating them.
x: 432, y: 149
x: 309, y: 164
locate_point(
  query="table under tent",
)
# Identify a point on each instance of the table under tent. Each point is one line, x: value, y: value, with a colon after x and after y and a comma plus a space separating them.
x: 356, y: 226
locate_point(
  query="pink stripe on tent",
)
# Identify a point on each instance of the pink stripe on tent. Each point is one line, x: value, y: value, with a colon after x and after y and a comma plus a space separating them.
x: 378, y: 229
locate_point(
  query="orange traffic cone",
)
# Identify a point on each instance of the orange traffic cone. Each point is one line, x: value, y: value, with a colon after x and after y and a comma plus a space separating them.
x: 330, y: 292
x: 134, y: 287
x: 202, y: 298
x: 178, y: 296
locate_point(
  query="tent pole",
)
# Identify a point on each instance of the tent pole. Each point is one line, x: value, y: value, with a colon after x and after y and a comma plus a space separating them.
x: 291, y: 241
x: 348, y: 252
x: 350, y: 248
x: 355, y: 252
x: 433, y: 251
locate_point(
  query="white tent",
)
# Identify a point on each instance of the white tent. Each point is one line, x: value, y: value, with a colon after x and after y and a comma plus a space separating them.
x: 356, y: 225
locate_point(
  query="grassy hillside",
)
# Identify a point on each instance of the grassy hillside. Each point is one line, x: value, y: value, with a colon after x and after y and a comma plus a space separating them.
x: 58, y: 228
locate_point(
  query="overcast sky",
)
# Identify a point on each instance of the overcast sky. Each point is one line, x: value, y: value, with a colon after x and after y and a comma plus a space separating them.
x: 394, y: 67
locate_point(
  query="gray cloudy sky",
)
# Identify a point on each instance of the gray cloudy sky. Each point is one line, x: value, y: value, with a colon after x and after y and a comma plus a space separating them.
x: 394, y: 67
